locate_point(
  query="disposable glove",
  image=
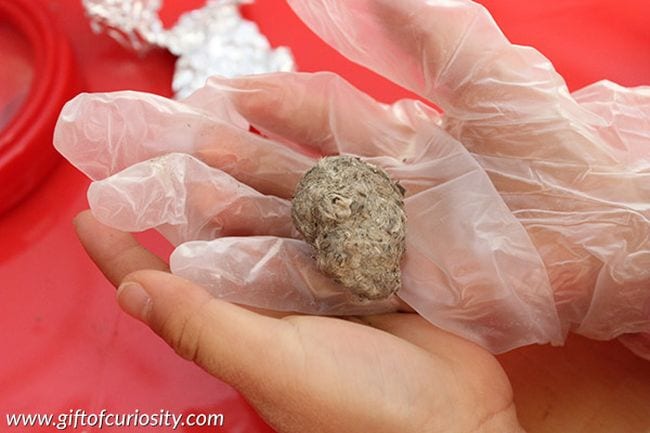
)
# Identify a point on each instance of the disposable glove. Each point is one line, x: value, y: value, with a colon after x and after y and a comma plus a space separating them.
x: 223, y: 199
x: 470, y: 266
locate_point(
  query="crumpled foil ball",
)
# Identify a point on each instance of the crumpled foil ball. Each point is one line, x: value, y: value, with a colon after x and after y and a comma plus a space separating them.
x: 213, y: 40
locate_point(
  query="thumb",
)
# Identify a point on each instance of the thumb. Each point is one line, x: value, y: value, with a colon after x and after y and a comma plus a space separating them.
x: 225, y: 340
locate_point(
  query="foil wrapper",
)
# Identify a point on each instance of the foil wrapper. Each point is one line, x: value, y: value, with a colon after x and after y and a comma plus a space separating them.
x: 213, y: 40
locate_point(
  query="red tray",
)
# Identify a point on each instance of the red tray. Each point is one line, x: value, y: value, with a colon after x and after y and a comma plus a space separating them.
x: 65, y: 344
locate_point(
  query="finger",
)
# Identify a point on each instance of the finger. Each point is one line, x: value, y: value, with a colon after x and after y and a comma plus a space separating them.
x: 115, y: 253
x: 269, y: 167
x: 498, y: 98
x: 118, y: 254
x: 102, y: 134
x: 186, y: 200
x: 226, y: 340
x: 326, y: 113
x: 442, y: 160
x: 432, y: 47
x: 268, y: 272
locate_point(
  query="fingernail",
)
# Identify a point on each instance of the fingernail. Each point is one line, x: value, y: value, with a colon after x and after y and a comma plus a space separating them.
x: 134, y: 300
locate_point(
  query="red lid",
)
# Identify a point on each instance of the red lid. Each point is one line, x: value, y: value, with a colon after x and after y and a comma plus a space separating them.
x: 36, y: 78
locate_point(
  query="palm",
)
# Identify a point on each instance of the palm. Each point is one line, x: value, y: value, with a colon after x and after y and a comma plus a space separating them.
x: 356, y: 370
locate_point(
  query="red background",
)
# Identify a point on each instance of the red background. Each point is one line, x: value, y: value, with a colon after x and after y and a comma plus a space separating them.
x: 64, y: 342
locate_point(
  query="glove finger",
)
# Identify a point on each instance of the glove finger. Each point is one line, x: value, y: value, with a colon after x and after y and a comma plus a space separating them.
x: 470, y: 267
x: 102, y: 134
x: 443, y: 159
x: 450, y: 51
x: 327, y: 114
x: 268, y: 272
x: 498, y: 98
x: 186, y: 199
x: 625, y: 117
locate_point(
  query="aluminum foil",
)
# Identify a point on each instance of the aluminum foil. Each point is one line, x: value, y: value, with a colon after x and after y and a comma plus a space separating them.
x: 213, y: 40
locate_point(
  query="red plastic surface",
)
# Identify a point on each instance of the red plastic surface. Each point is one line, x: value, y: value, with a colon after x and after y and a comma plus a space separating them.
x: 66, y: 345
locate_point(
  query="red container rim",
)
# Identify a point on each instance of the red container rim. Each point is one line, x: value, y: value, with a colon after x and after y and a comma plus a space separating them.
x: 26, y: 152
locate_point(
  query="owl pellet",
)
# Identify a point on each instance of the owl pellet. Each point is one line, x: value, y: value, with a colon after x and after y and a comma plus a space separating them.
x: 352, y: 213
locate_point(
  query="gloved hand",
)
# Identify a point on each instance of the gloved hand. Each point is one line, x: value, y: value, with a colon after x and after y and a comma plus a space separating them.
x: 470, y: 267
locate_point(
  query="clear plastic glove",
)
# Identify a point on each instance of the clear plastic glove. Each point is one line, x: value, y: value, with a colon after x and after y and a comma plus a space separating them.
x: 221, y: 194
x: 470, y: 267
